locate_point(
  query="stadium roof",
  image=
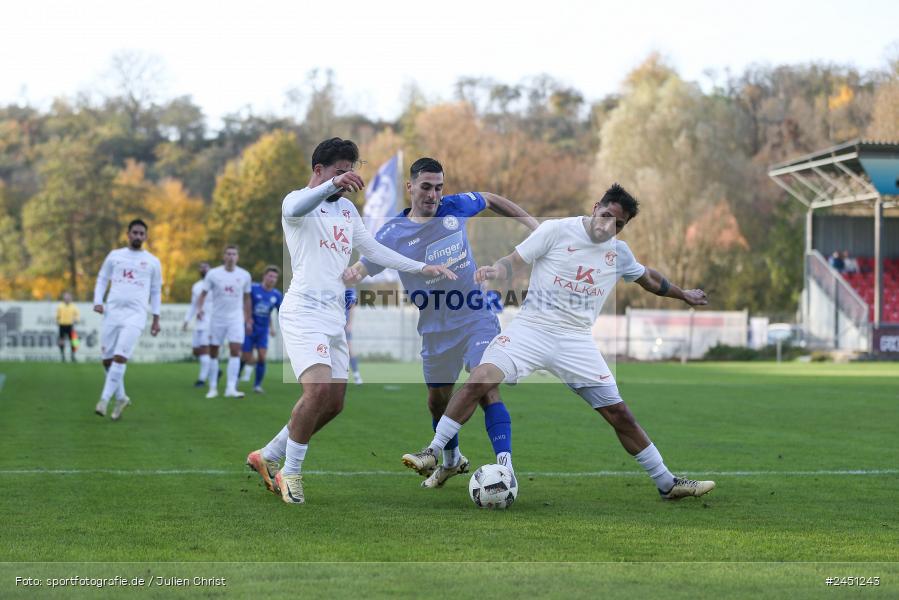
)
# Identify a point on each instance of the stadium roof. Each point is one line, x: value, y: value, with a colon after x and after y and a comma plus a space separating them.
x: 855, y: 171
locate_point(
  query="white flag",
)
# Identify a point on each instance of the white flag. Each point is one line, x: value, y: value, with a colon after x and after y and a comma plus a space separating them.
x: 380, y: 205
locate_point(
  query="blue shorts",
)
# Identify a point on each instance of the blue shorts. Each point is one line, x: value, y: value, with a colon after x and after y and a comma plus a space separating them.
x: 444, y: 353
x: 257, y: 339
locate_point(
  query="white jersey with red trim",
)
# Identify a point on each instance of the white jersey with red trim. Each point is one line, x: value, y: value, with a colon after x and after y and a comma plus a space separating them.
x: 321, y: 242
x: 134, y: 278
x: 228, y: 289
x: 571, y: 275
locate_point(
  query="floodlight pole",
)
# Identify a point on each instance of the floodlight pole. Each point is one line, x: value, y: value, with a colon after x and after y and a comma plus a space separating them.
x: 809, y: 225
x: 878, y: 261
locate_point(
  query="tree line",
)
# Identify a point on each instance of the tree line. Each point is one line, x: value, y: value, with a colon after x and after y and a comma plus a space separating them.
x: 73, y: 174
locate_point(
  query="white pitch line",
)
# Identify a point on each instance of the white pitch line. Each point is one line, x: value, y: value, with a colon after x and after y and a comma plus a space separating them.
x: 143, y: 472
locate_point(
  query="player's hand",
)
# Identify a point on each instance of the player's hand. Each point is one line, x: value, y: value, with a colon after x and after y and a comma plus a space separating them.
x: 200, y: 315
x: 695, y: 298
x: 98, y: 308
x: 352, y: 275
x: 486, y: 274
x: 155, y: 328
x: 349, y: 182
x: 437, y: 270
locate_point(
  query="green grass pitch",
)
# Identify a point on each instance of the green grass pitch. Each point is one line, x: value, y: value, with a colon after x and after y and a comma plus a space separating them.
x: 806, y: 457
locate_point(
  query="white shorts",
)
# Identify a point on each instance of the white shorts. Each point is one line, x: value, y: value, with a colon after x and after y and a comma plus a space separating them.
x: 522, y: 348
x: 118, y: 339
x: 231, y: 331
x: 307, y: 345
x: 201, y: 338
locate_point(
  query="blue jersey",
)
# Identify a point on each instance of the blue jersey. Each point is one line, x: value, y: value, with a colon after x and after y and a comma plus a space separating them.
x: 443, y: 305
x: 263, y: 303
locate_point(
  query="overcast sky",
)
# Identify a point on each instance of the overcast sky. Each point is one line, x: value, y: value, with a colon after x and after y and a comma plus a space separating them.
x: 228, y: 54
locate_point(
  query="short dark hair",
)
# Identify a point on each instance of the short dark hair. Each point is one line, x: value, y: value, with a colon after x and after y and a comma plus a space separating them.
x: 424, y: 165
x: 137, y: 222
x: 330, y: 151
x: 232, y: 247
x: 620, y: 196
x: 270, y: 269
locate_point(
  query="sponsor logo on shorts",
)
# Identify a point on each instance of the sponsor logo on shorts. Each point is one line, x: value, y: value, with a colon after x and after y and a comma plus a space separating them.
x: 604, y: 377
x: 610, y: 258
x: 322, y: 350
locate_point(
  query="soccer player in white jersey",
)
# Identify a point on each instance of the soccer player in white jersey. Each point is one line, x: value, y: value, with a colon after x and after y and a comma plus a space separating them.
x: 230, y: 318
x: 133, y: 276
x: 321, y: 228
x: 200, y: 343
x: 576, y: 263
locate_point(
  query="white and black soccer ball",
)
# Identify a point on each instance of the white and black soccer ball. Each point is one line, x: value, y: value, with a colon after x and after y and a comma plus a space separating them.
x: 493, y: 486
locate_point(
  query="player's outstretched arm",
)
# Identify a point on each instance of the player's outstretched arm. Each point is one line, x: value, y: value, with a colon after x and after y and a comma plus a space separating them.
x: 506, y: 208
x: 654, y: 282
x: 504, y: 268
x: 301, y: 202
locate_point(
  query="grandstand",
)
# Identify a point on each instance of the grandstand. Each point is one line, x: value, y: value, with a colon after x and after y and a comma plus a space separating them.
x: 857, y: 185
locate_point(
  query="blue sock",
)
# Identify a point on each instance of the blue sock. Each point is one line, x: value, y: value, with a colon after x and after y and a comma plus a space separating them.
x: 450, y: 445
x: 499, y: 427
x: 354, y: 364
x: 260, y: 372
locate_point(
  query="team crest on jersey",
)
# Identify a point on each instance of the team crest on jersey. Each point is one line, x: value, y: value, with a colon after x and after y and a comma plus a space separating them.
x: 346, y: 214
x: 503, y: 340
x: 451, y: 222
x: 322, y: 350
x: 610, y: 258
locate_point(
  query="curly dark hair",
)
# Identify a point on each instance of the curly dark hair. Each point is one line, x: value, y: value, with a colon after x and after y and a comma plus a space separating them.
x: 621, y: 197
x: 330, y: 151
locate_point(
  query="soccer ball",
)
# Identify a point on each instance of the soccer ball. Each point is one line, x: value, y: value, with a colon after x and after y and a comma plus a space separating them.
x: 493, y: 486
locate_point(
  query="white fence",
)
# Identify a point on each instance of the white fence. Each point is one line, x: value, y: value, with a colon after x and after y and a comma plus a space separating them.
x: 28, y: 331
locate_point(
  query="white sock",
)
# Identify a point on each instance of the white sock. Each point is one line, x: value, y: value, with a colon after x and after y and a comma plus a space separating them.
x: 650, y: 459
x: 452, y: 457
x: 446, y: 429
x: 204, y: 367
x: 277, y: 448
x: 296, y: 453
x: 233, y: 372
x: 120, y: 391
x: 505, y: 459
x: 113, y: 378
x: 213, y: 374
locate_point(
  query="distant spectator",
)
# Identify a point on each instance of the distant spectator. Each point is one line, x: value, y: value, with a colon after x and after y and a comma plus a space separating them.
x: 836, y: 261
x: 850, y: 265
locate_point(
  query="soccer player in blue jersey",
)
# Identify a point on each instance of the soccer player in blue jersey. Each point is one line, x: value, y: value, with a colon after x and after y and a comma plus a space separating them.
x: 350, y: 299
x: 454, y: 335
x: 265, y: 299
